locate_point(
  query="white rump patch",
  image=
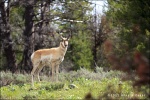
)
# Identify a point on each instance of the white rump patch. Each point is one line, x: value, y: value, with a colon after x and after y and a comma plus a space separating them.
x: 32, y: 55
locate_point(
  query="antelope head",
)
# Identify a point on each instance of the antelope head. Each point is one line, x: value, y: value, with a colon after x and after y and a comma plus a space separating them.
x: 64, y: 42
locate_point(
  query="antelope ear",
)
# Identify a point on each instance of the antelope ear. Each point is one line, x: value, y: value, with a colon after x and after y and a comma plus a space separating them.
x: 61, y: 37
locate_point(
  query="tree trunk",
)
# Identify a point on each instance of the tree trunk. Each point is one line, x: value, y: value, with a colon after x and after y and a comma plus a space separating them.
x: 6, y: 37
x: 28, y: 46
x: 95, y: 51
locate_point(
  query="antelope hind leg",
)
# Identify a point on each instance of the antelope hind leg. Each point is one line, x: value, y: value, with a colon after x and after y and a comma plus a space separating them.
x: 32, y: 73
x: 38, y: 72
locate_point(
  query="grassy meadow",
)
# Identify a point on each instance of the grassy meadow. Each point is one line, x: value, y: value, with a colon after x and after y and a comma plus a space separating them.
x: 81, y: 84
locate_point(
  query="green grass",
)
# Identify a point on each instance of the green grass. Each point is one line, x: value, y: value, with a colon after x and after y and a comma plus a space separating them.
x: 45, y: 90
x: 107, y: 87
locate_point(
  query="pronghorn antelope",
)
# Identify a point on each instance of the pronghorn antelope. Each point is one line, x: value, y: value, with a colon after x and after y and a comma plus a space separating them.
x: 49, y: 57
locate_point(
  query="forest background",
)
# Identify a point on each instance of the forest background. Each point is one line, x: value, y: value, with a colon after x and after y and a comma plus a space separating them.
x: 116, y: 39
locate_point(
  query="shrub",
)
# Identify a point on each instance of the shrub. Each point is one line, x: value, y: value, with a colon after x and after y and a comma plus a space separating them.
x: 20, y: 79
x: 29, y: 97
x: 52, y: 87
x: 87, y: 74
x: 6, y: 78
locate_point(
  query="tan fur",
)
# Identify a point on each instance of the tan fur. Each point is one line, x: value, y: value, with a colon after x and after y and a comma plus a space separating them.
x: 49, y: 57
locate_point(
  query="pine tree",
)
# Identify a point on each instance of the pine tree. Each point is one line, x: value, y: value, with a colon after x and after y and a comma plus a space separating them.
x: 82, y: 53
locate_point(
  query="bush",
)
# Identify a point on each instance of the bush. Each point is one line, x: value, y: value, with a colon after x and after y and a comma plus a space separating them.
x: 7, y: 77
x: 52, y: 87
x: 90, y: 75
x: 29, y: 97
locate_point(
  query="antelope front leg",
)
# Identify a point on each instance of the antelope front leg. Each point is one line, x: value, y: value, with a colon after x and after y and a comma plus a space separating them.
x: 53, y: 71
x: 57, y: 71
x: 32, y: 82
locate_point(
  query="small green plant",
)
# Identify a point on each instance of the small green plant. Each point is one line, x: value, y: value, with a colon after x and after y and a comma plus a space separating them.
x: 52, y: 87
x: 29, y: 97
